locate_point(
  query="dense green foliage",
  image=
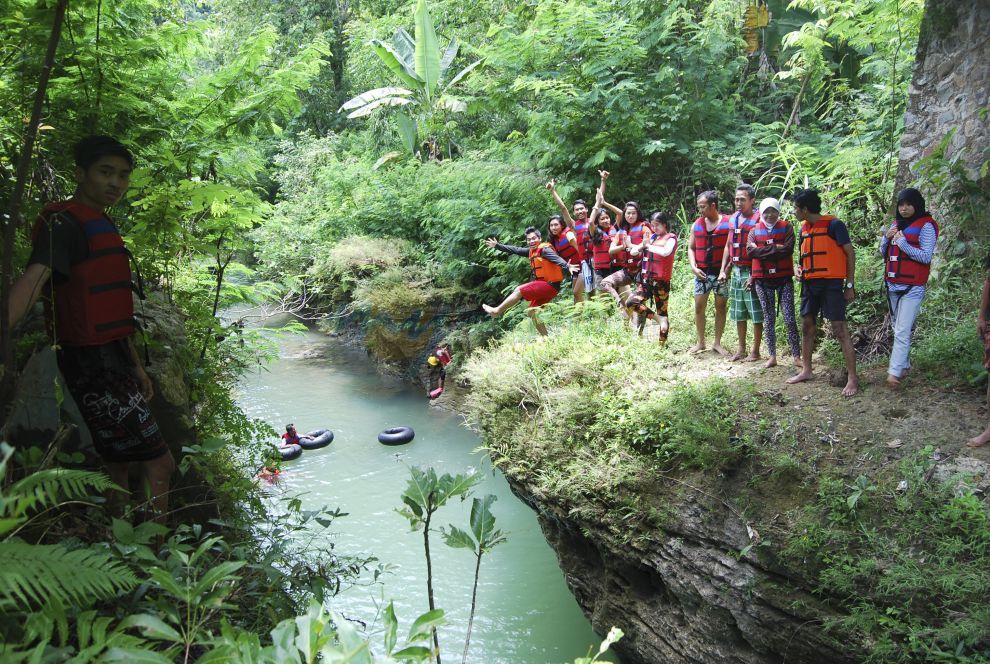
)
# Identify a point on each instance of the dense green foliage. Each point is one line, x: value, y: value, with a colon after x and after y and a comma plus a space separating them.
x: 252, y: 184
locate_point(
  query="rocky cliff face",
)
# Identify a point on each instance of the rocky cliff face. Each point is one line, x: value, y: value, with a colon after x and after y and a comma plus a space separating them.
x: 685, y: 595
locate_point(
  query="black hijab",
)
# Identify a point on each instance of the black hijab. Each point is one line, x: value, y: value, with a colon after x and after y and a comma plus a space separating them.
x: 914, y: 197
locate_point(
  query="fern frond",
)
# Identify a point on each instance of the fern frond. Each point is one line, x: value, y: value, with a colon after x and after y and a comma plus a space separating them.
x: 46, y: 488
x: 34, y: 574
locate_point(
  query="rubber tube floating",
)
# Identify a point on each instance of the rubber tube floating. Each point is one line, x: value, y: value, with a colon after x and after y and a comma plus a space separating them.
x: 396, y: 436
x: 290, y: 452
x: 320, y: 438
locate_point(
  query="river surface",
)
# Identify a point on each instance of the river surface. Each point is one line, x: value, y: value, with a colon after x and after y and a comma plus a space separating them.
x: 525, y: 612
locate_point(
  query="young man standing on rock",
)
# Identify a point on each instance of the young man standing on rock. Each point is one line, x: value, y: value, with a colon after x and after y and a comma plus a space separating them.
x: 81, y: 268
x: 743, y: 302
x: 706, y: 246
x: 548, y: 275
x: 827, y: 268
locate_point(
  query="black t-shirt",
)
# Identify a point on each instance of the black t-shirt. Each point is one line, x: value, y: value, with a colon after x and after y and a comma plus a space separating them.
x: 60, y: 244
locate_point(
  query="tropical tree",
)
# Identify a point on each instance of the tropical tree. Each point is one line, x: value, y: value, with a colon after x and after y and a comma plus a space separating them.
x: 423, y: 69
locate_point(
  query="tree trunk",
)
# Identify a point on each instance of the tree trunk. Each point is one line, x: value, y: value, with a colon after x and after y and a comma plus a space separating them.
x: 13, y: 220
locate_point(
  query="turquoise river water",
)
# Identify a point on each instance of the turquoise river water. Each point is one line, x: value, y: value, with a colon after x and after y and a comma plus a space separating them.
x: 525, y: 612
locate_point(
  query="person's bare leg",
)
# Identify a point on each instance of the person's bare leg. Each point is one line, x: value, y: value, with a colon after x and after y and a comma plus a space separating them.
x: 841, y: 331
x: 117, y: 498
x: 721, y: 312
x: 754, y: 354
x: 983, y: 438
x: 506, y: 304
x: 700, y: 305
x: 158, y: 473
x: 664, y: 322
x: 578, y: 288
x: 537, y: 323
x: 741, y: 333
x: 807, y: 348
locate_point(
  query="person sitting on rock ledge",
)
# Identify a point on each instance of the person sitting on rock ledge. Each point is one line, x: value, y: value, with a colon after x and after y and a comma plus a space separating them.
x: 548, y: 275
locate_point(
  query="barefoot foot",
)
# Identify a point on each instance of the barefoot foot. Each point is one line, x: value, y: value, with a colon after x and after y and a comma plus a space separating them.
x: 852, y: 386
x: 738, y: 356
x: 717, y: 348
x: 697, y: 348
x: 772, y: 362
x: 752, y: 358
x: 488, y: 309
x: 800, y: 378
x: 979, y: 441
x: 892, y: 382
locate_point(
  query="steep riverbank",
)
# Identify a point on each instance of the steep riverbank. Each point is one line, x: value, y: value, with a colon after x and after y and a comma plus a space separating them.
x: 711, y: 512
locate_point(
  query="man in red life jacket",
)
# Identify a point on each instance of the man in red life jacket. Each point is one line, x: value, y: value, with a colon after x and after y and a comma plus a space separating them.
x: 81, y: 267
x: 706, y: 245
x: 579, y: 224
x: 548, y: 271
x: 827, y: 269
x: 743, y: 302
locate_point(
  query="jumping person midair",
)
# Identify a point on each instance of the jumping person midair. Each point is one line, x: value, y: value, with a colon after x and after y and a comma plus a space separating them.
x: 706, y: 246
x: 743, y: 303
x: 578, y: 226
x: 548, y: 274
x: 771, y: 246
x: 627, y: 249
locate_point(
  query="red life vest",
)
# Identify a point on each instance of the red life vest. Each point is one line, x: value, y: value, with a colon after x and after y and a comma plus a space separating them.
x: 600, y: 258
x: 290, y: 440
x: 710, y: 246
x: 544, y: 270
x: 565, y: 249
x: 444, y: 356
x: 901, y: 268
x: 581, y: 235
x: 821, y: 256
x: 94, y: 306
x: 739, y: 237
x: 636, y: 233
x: 771, y: 268
x: 655, y: 266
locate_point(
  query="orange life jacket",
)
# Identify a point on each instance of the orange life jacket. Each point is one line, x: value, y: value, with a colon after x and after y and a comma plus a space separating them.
x: 771, y: 268
x: 821, y: 256
x: 544, y: 270
x: 655, y: 266
x: 710, y: 246
x: 94, y: 305
x: 901, y: 268
x: 739, y: 237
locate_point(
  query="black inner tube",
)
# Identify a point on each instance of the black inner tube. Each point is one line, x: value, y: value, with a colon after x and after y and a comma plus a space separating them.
x: 396, y: 436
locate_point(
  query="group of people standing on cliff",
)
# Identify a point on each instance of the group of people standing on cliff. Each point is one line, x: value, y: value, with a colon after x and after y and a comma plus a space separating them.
x: 745, y: 259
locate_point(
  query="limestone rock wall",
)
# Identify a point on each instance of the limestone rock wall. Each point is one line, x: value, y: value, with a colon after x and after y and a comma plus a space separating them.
x: 687, y: 595
x: 950, y: 87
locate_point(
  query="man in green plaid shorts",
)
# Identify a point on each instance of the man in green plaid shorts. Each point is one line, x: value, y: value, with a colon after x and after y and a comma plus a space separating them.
x: 743, y: 302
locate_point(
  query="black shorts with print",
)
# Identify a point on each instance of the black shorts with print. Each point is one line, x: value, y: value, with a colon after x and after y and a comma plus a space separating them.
x: 101, y: 380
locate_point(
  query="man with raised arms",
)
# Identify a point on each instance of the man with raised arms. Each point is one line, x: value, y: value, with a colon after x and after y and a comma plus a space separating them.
x: 706, y: 245
x: 548, y: 274
x: 579, y: 225
x: 827, y: 269
x: 743, y: 302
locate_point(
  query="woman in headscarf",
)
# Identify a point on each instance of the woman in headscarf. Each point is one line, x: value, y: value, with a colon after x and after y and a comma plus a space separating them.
x: 907, y: 248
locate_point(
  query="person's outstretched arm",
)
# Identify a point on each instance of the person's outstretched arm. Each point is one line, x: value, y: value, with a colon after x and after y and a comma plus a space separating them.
x: 26, y: 291
x: 565, y: 213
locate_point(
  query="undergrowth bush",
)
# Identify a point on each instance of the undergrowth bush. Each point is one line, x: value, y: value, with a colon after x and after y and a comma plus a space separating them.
x: 906, y: 554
